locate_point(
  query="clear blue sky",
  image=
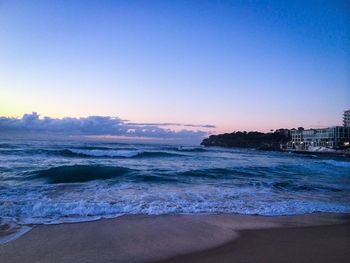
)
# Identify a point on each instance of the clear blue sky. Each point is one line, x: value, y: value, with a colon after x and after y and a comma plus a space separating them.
x: 239, y: 65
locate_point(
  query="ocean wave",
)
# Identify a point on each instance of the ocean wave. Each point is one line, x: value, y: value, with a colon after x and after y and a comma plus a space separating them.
x: 159, y: 154
x: 86, y: 173
x: 79, y: 173
x: 157, y: 178
x: 190, y: 149
x: 90, y: 203
x: 97, y: 148
x: 116, y: 153
x: 336, y: 163
x: 90, y: 152
x: 7, y: 146
x: 105, y: 153
x: 291, y: 186
x: 217, y: 173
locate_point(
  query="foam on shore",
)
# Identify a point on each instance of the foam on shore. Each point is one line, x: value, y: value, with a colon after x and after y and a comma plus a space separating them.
x: 10, y: 231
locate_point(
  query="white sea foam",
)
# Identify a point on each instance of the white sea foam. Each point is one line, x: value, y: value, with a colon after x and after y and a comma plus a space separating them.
x: 96, y: 201
x: 10, y: 230
x: 190, y: 148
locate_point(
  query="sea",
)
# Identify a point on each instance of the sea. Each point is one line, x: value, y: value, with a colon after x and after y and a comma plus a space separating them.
x: 52, y: 181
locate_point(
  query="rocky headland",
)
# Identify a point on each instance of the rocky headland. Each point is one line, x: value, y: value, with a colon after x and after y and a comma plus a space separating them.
x: 258, y: 140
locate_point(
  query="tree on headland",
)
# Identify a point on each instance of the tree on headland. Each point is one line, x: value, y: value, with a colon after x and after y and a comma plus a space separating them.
x: 254, y: 139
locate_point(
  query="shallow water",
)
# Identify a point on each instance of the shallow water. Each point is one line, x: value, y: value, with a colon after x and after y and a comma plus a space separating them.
x: 54, y: 182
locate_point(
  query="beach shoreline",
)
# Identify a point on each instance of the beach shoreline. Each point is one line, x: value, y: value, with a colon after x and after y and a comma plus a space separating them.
x: 180, y: 238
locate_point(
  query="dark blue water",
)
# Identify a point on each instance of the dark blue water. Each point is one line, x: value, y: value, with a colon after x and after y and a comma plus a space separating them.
x: 54, y: 181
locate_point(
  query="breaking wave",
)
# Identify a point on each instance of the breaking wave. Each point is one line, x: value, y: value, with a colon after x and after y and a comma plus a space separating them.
x: 116, y: 153
x: 104, y: 153
x: 91, y: 152
x: 80, y: 173
x: 191, y: 149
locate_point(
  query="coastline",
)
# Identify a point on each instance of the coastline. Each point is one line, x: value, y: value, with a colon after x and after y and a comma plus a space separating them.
x: 330, y: 154
x: 181, y: 238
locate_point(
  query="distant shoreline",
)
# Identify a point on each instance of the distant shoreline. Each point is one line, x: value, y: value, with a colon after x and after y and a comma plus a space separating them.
x: 279, y: 140
x: 335, y: 153
x: 331, y: 154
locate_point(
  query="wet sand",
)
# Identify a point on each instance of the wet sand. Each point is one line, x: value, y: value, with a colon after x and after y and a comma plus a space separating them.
x: 188, y: 238
x: 303, y: 244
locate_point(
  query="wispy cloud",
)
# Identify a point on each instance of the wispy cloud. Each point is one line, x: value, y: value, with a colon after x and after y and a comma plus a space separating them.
x: 208, y: 126
x: 99, y: 125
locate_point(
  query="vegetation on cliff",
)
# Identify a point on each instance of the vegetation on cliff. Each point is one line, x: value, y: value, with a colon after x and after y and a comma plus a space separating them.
x: 258, y: 140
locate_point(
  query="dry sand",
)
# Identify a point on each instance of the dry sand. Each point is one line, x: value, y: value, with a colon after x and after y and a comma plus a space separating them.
x: 188, y: 238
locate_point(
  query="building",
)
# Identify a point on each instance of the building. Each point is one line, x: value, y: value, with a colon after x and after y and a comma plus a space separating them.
x: 332, y: 137
x: 346, y: 118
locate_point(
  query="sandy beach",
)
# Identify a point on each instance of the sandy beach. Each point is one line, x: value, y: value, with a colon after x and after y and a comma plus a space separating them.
x: 301, y: 244
x: 320, y: 237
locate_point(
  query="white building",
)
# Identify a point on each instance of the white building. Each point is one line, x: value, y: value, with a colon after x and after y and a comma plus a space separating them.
x: 332, y: 137
x: 346, y: 118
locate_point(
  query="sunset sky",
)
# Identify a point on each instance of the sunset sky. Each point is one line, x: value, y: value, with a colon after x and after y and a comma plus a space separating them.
x: 235, y: 65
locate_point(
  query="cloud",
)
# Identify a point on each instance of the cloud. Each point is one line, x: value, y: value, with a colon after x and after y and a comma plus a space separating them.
x: 208, y: 126
x: 98, y: 125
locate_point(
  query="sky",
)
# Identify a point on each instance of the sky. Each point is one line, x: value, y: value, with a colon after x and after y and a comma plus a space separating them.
x: 215, y: 66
